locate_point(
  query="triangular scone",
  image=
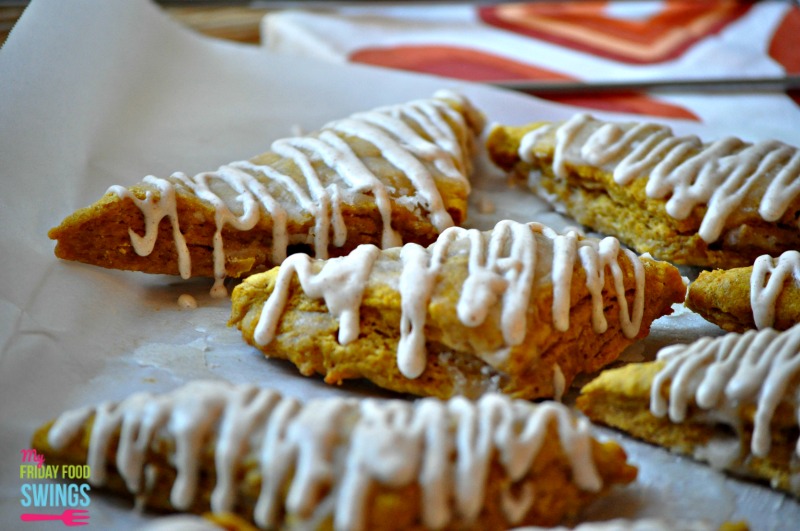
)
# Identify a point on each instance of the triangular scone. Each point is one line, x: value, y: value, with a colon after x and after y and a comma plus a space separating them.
x: 721, y: 204
x: 387, y: 176
x: 730, y: 401
x: 520, y: 309
x: 340, y: 463
x: 766, y: 294
x: 646, y: 524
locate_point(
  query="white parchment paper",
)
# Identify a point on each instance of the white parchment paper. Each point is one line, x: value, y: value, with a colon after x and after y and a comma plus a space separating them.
x: 102, y: 92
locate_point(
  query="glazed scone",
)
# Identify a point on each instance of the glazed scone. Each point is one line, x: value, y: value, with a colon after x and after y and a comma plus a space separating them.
x: 730, y: 401
x: 645, y: 524
x: 192, y: 522
x: 340, y: 463
x: 766, y: 294
x: 520, y: 309
x: 189, y: 522
x: 719, y: 204
x: 391, y: 175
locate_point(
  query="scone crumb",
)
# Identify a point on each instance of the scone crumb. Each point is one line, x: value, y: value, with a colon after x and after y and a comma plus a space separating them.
x: 486, y: 205
x: 187, y: 302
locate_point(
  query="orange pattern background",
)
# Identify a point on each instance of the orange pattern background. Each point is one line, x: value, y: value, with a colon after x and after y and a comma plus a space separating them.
x: 590, y: 28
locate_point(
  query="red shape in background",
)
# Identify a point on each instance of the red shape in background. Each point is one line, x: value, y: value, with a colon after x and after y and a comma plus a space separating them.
x: 785, y: 46
x: 585, y: 26
x: 474, y: 65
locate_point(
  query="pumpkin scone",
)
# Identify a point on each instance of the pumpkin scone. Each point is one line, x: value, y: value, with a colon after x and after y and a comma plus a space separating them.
x: 644, y: 524
x: 719, y: 204
x: 730, y: 401
x: 766, y: 294
x: 340, y: 463
x: 520, y: 309
x: 387, y: 176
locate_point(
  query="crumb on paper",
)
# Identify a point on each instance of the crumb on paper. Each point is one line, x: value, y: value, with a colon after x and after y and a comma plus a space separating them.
x: 187, y: 302
x: 486, y: 205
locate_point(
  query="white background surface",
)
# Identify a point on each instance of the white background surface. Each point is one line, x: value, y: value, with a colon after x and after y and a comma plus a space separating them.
x: 95, y: 93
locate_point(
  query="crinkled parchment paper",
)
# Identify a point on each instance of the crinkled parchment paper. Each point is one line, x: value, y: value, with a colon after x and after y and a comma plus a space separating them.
x: 95, y: 93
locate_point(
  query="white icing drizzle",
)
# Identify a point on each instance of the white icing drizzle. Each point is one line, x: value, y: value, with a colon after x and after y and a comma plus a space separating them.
x: 407, y: 136
x: 728, y: 372
x: 559, y: 383
x: 340, y: 283
x: 502, y: 272
x: 334, y: 451
x: 766, y: 284
x: 725, y: 176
